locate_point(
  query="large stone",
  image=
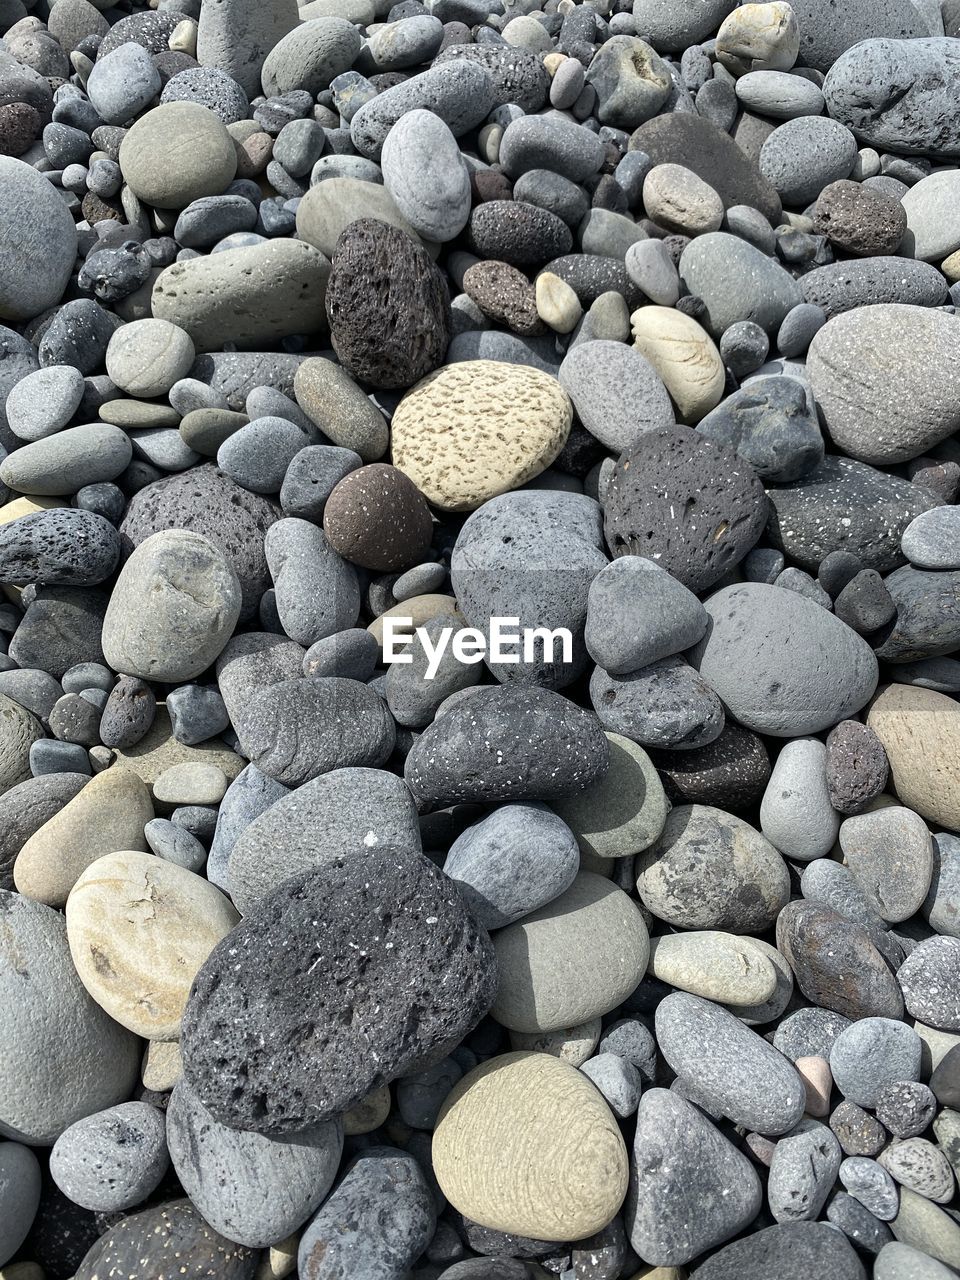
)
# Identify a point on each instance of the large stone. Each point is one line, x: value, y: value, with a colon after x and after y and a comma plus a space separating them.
x: 320, y: 1009
x: 920, y: 732
x: 25, y: 808
x: 771, y: 680
x: 309, y: 56
x: 525, y: 1144
x: 165, y: 1240
x: 737, y: 282
x: 685, y: 357
x: 139, y: 929
x: 63, y: 1057
x: 177, y: 153
x: 789, y: 1251
x: 772, y: 424
x: 252, y: 296
x: 109, y: 813
x: 827, y: 32
x: 236, y: 36
x: 39, y: 239
x: 425, y: 173
x: 460, y: 92
x: 617, y: 393
x: 173, y: 608
x: 885, y: 381
x: 574, y: 959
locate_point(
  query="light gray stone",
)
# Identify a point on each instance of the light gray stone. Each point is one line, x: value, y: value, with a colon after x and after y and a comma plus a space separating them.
x: 39, y: 241
x: 424, y: 172
x: 873, y: 1052
x: 19, y: 1196
x: 122, y: 83
x: 737, y: 282
x: 796, y: 814
x: 112, y: 1160
x: 638, y: 613
x: 617, y: 393
x: 317, y: 592
x: 802, y: 1172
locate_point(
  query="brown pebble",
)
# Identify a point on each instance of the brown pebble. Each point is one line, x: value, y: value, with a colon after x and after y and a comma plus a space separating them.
x: 859, y: 221
x: 378, y: 518
x: 20, y: 125
x: 504, y: 294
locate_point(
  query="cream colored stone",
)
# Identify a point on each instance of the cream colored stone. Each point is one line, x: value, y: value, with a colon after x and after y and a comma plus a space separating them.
x: 190, y: 783
x: 684, y: 355
x: 22, y: 1271
x: 624, y: 811
x: 817, y: 1079
x: 368, y: 1114
x: 660, y: 1273
x: 329, y: 207
x: 951, y: 267
x: 108, y: 814
x: 553, y: 62
x: 162, y: 1065
x: 279, y: 1260
x: 679, y: 200
x: 28, y: 507
x: 759, y: 37
x: 488, y: 142
x: 183, y: 37
x: 526, y: 1144
x: 139, y: 929
x: 476, y: 429
x: 159, y: 750
x: 920, y: 732
x: 572, y: 960
x: 718, y: 966
x: 570, y: 1044
x: 557, y: 304
x: 419, y: 609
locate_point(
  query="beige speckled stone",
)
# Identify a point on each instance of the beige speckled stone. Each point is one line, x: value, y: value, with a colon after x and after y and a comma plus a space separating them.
x: 718, y: 966
x: 190, y: 783
x: 622, y: 813
x: 574, y: 959
x: 473, y: 430
x: 19, y: 730
x: 108, y: 814
x: 557, y: 304
x: 817, y: 1079
x: 368, y: 1114
x: 139, y: 928
x: 526, y: 1144
x: 684, y: 355
x: 920, y: 732
x: 419, y: 609
x: 569, y: 1044
x: 158, y: 750
x: 162, y: 1065
x: 679, y: 200
x: 759, y: 37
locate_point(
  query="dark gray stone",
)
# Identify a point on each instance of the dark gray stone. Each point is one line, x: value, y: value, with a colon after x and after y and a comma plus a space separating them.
x: 175, y: 844
x: 250, y: 794
x: 312, y: 476
x: 61, y: 627
x: 737, y: 282
x: 196, y: 713
x: 858, y: 1224
x: 907, y: 1108
x: 857, y: 767
x: 790, y: 1251
x: 129, y: 713
x: 844, y: 286
x: 60, y: 547
x: 316, y: 591
x: 927, y: 622
x: 729, y: 773
x: 665, y: 705
x: 638, y: 614
x: 771, y: 424
x: 517, y: 75
x: 857, y: 1132
x: 166, y: 1240
x: 319, y: 1008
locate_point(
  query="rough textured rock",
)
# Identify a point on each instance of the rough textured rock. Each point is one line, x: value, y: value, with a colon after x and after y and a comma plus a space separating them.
x: 168, y: 1239
x: 293, y: 1031
x: 920, y: 729
x: 236, y: 36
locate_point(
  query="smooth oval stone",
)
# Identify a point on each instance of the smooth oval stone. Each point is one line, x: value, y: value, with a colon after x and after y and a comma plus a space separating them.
x: 796, y: 814
x: 770, y: 684
x: 165, y: 1240
x: 195, y: 600
x: 327, y: 209
x: 236, y: 36
x: 461, y: 93
x: 19, y: 730
x: 923, y: 765
x: 691, y: 140
x: 871, y: 1053
x: 897, y: 1261
x: 890, y: 854
x: 930, y: 981
x: 319, y: 1008
x: 835, y: 963
x: 526, y: 1144
x: 733, y: 1070
x: 64, y: 1058
x: 549, y: 142
x: 424, y: 172
x: 507, y: 744
x: 657, y: 488
x: 896, y: 411
x: 924, y: 1226
x: 617, y: 393
x: 250, y: 296
x: 315, y: 590
x: 932, y: 539
x: 624, y: 811
x: 680, y: 1160
x: 108, y: 813
x: 941, y: 908
x: 575, y: 958
x: 162, y: 171
x: 139, y: 929
x: 718, y: 966
x: 737, y: 282
x: 20, y: 1189
x: 790, y: 1251
x: 310, y: 56
x: 685, y: 357
x: 113, y: 1159
x: 511, y: 863
x: 899, y: 95
x: 347, y: 1233
x: 65, y: 462
x: 346, y: 811
x: 40, y: 240
x: 842, y: 505
x: 844, y: 286
x: 233, y: 1177
x: 711, y: 870
x: 59, y: 547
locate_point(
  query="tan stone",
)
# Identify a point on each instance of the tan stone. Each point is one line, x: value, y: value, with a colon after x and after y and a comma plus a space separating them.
x: 176, y: 153
x: 329, y: 207
x: 676, y: 198
x: 920, y: 732
x: 368, y: 1114
x: 279, y: 1260
x: 419, y: 609
x: 139, y: 928
x: 526, y: 1144
x: 716, y: 965
x: 557, y: 304
x: 684, y: 355
x: 190, y: 783
x: 570, y: 1044
x: 759, y: 37
x: 159, y: 750
x: 28, y: 507
x: 572, y: 960
x: 183, y: 37
x: 108, y: 814
x: 476, y: 429
x: 660, y: 1273
x: 951, y: 266
x: 817, y: 1079
x: 22, y: 1271
x: 162, y: 1065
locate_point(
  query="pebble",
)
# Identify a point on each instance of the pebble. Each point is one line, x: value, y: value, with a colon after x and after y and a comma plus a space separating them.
x: 20, y: 1197
x: 58, y: 547
x: 638, y: 614
x: 771, y: 425
x: 890, y: 854
x: 62, y: 463
x: 560, y: 1166
x: 39, y: 251
x: 715, y: 965
x: 859, y: 221
x: 844, y: 286
x: 796, y: 813
x: 160, y: 171
x: 112, y: 1160
x: 897, y: 1261
x: 871, y: 1053
x: 932, y: 539
x: 44, y: 401
x: 122, y: 83
x: 802, y: 1172
x: 803, y: 156
x: 683, y: 354
x: 426, y: 177
x: 615, y: 391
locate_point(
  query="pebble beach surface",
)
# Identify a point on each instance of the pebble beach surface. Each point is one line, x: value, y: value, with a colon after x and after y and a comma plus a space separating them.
x: 338, y: 342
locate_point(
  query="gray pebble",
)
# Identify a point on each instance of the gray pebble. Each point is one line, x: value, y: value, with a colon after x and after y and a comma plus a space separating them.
x: 19, y: 1196
x: 796, y: 814
x: 898, y: 1261
x: 44, y: 401
x: 803, y: 156
x: 129, y: 713
x: 425, y: 174
x: 111, y: 1160
x: 258, y: 455
x: 206, y: 221
x: 772, y: 424
x: 665, y: 704
x: 353, y: 653
x: 211, y: 88
x: 461, y: 93
x: 64, y: 462
x: 845, y: 286
x: 802, y: 1172
x: 317, y: 592
x: 857, y: 1132
x: 637, y: 614
x: 617, y: 1079
x: 175, y: 844
x: 890, y: 854
x: 59, y: 547
x: 930, y: 541
x: 550, y: 142
x: 744, y: 347
x: 122, y: 83
x: 250, y: 794
x: 737, y: 282
x: 311, y: 477
x: 799, y: 325
x: 196, y: 713
x: 421, y: 1095
x: 50, y: 756
x: 930, y: 979
x: 40, y: 242
x: 630, y: 1039
x: 922, y: 1167
x: 871, y: 1184
x: 616, y: 392
x: 871, y: 1053
x: 927, y: 622
x: 906, y: 1108
x: 941, y: 907
x: 857, y: 1223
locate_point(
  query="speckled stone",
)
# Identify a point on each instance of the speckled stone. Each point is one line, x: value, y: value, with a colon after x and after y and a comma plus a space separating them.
x: 168, y: 1241
x: 930, y: 980
x: 790, y: 1251
x: 856, y: 766
x: 377, y: 517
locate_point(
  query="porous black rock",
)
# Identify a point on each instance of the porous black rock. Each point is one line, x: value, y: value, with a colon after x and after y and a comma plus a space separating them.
x: 359, y: 971
x: 60, y: 547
